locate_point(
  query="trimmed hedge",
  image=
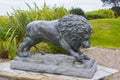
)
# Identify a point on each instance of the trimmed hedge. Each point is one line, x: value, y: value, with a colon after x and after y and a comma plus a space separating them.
x: 94, y: 16
x: 102, y: 13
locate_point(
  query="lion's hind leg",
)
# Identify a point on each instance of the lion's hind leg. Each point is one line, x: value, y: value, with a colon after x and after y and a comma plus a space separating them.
x: 25, y: 45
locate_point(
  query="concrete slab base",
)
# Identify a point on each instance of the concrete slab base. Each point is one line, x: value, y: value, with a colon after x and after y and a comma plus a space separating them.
x: 6, y: 73
x: 55, y: 64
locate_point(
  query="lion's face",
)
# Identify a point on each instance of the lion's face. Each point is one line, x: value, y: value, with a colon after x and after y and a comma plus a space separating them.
x: 85, y: 43
x: 76, y: 30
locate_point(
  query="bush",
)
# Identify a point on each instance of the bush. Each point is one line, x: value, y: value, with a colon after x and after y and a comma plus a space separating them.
x: 3, y: 33
x: 12, y: 27
x: 102, y: 13
x: 60, y: 12
x: 116, y: 10
x: 8, y: 49
x: 20, y: 18
x: 77, y: 11
x: 4, y: 21
x: 49, y: 48
x: 94, y: 16
x: 3, y: 27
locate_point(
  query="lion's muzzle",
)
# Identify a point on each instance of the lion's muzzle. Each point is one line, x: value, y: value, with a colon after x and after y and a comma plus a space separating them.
x: 85, y: 44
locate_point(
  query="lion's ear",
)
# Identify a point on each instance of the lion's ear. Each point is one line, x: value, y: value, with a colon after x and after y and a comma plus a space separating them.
x: 91, y: 31
x: 80, y: 31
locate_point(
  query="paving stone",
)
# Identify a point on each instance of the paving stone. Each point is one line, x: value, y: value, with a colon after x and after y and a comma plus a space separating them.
x: 2, y: 78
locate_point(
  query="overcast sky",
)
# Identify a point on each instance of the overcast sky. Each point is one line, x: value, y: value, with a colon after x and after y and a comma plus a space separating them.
x: 86, y: 5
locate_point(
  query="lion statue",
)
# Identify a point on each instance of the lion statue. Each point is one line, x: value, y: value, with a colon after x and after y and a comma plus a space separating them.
x: 70, y: 32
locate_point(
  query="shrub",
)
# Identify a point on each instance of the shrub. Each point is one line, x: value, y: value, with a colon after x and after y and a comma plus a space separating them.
x: 60, y: 11
x: 49, y: 48
x: 3, y: 34
x: 20, y: 18
x: 3, y: 26
x: 8, y: 49
x: 116, y: 10
x: 102, y: 13
x: 13, y: 25
x: 4, y: 21
x: 77, y: 11
x: 94, y: 16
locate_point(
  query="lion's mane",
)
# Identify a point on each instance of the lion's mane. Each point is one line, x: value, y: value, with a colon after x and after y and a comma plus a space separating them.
x: 72, y: 28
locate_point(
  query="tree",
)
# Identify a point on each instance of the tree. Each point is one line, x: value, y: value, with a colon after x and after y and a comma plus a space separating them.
x: 77, y: 11
x: 114, y: 3
x: 115, y: 6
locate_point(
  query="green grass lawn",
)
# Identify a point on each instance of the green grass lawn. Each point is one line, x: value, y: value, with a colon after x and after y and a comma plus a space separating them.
x: 106, y: 33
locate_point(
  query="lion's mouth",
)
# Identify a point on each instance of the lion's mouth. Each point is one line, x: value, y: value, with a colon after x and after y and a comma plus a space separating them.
x: 85, y: 44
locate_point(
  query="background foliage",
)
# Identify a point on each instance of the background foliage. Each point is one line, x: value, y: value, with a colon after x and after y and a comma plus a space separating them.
x: 116, y: 11
x: 102, y: 13
x: 77, y: 11
x: 114, y: 3
x: 12, y: 28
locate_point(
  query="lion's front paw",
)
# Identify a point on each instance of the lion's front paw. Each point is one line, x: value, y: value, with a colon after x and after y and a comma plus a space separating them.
x: 25, y: 54
x: 86, y: 57
x: 88, y: 63
x: 81, y: 58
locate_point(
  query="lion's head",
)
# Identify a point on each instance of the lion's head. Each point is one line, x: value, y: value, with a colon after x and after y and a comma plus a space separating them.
x: 76, y: 30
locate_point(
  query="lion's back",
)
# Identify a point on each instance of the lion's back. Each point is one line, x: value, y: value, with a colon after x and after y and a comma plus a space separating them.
x: 32, y: 28
x: 45, y: 30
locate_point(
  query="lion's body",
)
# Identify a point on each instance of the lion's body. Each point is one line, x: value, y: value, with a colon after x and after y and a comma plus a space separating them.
x: 70, y: 32
x: 43, y: 31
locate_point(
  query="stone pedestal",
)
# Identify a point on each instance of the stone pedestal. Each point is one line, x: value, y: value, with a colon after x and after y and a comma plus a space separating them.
x: 55, y: 64
x: 6, y: 73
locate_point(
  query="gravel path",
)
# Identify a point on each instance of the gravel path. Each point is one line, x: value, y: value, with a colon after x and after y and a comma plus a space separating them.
x: 106, y: 57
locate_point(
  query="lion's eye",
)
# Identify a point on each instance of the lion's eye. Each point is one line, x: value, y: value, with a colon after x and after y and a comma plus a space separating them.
x: 86, y: 37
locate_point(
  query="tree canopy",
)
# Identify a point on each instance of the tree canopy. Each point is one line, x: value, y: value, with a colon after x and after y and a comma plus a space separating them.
x: 113, y: 3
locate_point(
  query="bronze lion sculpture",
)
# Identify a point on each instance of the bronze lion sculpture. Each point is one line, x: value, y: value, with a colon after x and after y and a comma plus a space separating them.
x: 70, y: 32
